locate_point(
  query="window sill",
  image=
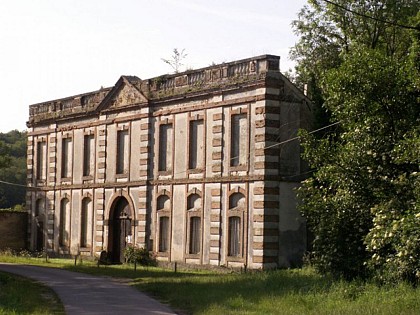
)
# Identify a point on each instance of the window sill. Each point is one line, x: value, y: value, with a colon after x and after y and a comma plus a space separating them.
x: 195, y: 170
x: 65, y: 180
x: 235, y: 258
x: 193, y: 256
x: 238, y: 168
x: 165, y: 173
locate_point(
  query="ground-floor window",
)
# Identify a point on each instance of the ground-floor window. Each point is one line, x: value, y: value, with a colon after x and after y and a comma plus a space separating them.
x: 234, y: 242
x: 64, y: 234
x: 163, y: 234
x: 195, y: 235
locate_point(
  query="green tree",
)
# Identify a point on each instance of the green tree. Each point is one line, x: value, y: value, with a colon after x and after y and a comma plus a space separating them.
x: 360, y: 66
x: 394, y: 240
x: 12, y: 168
x: 330, y: 29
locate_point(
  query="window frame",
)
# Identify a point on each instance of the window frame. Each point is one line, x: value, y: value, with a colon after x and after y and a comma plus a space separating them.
x: 191, y: 213
x: 89, y: 155
x: 165, y: 168
x: 125, y: 161
x: 242, y: 111
x: 86, y: 206
x: 240, y: 211
x: 66, y: 158
x: 163, y: 213
x: 64, y: 223
x: 41, y: 160
x: 200, y: 163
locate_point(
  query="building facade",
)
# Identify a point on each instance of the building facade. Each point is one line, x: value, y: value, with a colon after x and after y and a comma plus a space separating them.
x: 197, y: 167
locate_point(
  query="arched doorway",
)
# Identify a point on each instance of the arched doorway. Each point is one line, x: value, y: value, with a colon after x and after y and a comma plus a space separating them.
x: 119, y: 229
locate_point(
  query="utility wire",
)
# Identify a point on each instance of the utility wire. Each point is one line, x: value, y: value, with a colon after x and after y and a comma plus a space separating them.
x: 13, y: 184
x: 265, y: 148
x: 298, y: 137
x: 372, y: 17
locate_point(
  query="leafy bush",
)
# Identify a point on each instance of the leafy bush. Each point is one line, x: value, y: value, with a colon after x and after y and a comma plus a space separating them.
x: 140, y: 256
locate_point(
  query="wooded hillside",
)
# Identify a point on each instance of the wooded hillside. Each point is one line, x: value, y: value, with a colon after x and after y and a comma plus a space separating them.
x: 12, y: 169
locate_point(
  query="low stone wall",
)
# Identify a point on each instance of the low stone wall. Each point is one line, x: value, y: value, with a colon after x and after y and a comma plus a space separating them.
x: 13, y: 229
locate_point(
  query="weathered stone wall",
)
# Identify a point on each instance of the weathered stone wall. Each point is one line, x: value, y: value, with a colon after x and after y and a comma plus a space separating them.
x: 13, y: 227
x: 212, y: 146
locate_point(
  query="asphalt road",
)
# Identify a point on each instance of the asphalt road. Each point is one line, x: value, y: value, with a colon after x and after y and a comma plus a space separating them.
x: 85, y: 294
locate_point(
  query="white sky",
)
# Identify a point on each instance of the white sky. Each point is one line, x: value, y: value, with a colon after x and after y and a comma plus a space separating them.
x: 52, y: 49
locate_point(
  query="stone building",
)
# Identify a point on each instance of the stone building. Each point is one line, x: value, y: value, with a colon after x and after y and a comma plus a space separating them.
x: 191, y: 166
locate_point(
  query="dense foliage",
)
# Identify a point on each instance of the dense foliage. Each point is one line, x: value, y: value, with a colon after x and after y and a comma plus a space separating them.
x: 12, y: 169
x: 139, y: 256
x: 362, y: 202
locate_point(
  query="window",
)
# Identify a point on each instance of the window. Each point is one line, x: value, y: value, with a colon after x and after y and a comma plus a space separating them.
x: 235, y: 224
x: 39, y: 208
x: 234, y: 242
x: 165, y: 148
x: 66, y: 152
x: 88, y: 155
x: 41, y: 170
x: 64, y: 233
x: 195, y: 235
x: 194, y: 219
x: 163, y: 234
x: 39, y: 220
x: 236, y: 200
x: 194, y: 202
x: 122, y: 155
x: 196, y: 145
x: 163, y: 208
x: 238, y: 140
x: 163, y: 202
x: 84, y: 219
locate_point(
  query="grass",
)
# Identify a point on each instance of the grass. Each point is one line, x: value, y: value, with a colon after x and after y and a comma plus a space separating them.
x: 22, y: 296
x: 298, y: 291
x: 278, y: 292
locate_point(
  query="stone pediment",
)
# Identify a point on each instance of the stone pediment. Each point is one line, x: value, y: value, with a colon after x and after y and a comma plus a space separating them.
x: 124, y: 93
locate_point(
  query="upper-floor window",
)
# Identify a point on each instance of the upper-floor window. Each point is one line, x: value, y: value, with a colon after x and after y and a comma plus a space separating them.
x: 238, y: 140
x: 66, y: 157
x: 88, y: 155
x: 196, y: 145
x: 41, y: 167
x: 122, y: 152
x: 165, y: 147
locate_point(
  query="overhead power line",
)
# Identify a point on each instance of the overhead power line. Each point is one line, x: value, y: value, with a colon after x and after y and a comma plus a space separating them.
x: 265, y: 148
x: 298, y: 137
x: 13, y: 184
x: 372, y: 17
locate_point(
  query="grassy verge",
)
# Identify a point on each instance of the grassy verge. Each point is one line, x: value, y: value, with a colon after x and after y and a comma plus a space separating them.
x: 22, y: 296
x: 299, y: 291
x: 278, y: 292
